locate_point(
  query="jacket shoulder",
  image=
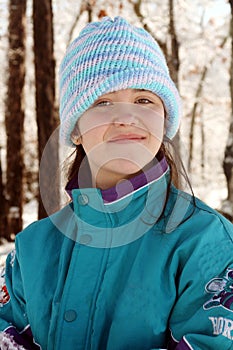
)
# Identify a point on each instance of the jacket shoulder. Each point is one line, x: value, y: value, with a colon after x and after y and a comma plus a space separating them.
x: 55, y: 227
x: 207, y: 213
x: 191, y: 215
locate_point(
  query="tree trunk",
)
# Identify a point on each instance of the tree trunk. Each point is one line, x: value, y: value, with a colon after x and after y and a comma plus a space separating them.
x: 45, y: 98
x: 228, y: 156
x: 14, y: 116
x: 3, y: 208
x: 173, y: 60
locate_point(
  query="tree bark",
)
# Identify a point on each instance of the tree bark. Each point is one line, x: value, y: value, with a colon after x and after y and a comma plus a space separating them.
x: 173, y: 60
x: 3, y: 208
x: 14, y: 116
x: 228, y: 156
x: 46, y: 112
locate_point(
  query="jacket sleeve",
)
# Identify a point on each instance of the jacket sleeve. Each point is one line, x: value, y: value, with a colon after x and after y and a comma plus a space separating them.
x: 15, y: 332
x: 202, y: 317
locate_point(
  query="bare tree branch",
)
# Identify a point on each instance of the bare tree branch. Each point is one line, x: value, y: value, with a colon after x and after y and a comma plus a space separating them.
x: 197, y: 101
x: 173, y: 61
x: 194, y: 113
x: 137, y: 10
x: 85, y: 6
x: 72, y: 29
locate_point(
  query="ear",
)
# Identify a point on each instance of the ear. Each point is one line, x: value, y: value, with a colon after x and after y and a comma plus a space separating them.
x: 77, y: 140
x: 75, y: 135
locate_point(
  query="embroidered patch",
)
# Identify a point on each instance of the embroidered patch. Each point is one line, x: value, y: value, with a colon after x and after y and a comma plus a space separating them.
x: 4, y: 295
x: 23, y: 339
x: 222, y: 288
x: 12, y: 257
x: 7, y: 342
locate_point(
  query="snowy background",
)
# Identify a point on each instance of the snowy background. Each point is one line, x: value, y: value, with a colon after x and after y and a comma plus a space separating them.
x: 201, y: 27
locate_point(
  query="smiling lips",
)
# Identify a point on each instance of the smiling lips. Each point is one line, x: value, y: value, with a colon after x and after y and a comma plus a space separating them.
x: 124, y: 138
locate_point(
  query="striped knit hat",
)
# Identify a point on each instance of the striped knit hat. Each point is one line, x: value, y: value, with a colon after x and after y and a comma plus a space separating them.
x: 108, y: 56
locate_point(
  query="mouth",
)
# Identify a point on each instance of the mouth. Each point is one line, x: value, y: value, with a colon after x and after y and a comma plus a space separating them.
x: 125, y: 138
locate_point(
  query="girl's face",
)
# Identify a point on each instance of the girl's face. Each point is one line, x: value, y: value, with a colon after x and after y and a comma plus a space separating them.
x: 121, y: 133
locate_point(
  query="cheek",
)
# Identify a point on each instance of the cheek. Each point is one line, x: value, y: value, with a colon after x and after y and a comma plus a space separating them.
x: 156, y: 128
x: 91, y: 138
x: 93, y: 119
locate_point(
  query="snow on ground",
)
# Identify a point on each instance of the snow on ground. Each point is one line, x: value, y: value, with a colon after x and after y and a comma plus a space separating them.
x: 5, y: 248
x: 30, y: 215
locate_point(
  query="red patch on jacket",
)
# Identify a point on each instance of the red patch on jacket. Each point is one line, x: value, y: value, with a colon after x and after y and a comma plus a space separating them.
x: 4, y: 295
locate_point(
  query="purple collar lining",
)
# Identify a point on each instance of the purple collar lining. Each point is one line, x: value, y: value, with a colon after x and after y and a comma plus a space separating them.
x: 127, y: 186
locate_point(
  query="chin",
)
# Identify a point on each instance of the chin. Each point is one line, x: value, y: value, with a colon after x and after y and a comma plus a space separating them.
x: 125, y: 167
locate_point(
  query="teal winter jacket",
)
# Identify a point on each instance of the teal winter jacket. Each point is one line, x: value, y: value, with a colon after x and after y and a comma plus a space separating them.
x: 121, y: 276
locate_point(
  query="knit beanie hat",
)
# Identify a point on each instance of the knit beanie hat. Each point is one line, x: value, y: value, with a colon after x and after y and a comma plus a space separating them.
x: 108, y: 56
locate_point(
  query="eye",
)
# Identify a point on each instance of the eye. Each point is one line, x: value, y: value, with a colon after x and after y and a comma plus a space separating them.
x: 144, y: 101
x: 102, y: 103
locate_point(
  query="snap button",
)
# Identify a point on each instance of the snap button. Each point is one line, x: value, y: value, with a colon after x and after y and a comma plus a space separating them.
x: 83, y: 199
x: 70, y: 315
x: 85, y: 239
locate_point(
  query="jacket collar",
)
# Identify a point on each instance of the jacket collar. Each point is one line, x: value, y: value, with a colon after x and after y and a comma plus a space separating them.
x: 124, y: 188
x: 123, y: 221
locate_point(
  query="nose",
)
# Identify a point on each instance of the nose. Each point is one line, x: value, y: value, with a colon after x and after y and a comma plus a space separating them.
x: 125, y: 119
x: 124, y: 114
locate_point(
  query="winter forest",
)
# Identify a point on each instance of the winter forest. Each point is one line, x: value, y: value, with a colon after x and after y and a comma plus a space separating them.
x: 196, y: 37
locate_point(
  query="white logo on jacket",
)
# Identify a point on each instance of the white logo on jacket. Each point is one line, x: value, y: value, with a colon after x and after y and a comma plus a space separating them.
x: 223, y: 326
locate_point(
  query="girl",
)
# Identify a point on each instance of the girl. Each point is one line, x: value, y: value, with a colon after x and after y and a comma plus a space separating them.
x: 132, y: 262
